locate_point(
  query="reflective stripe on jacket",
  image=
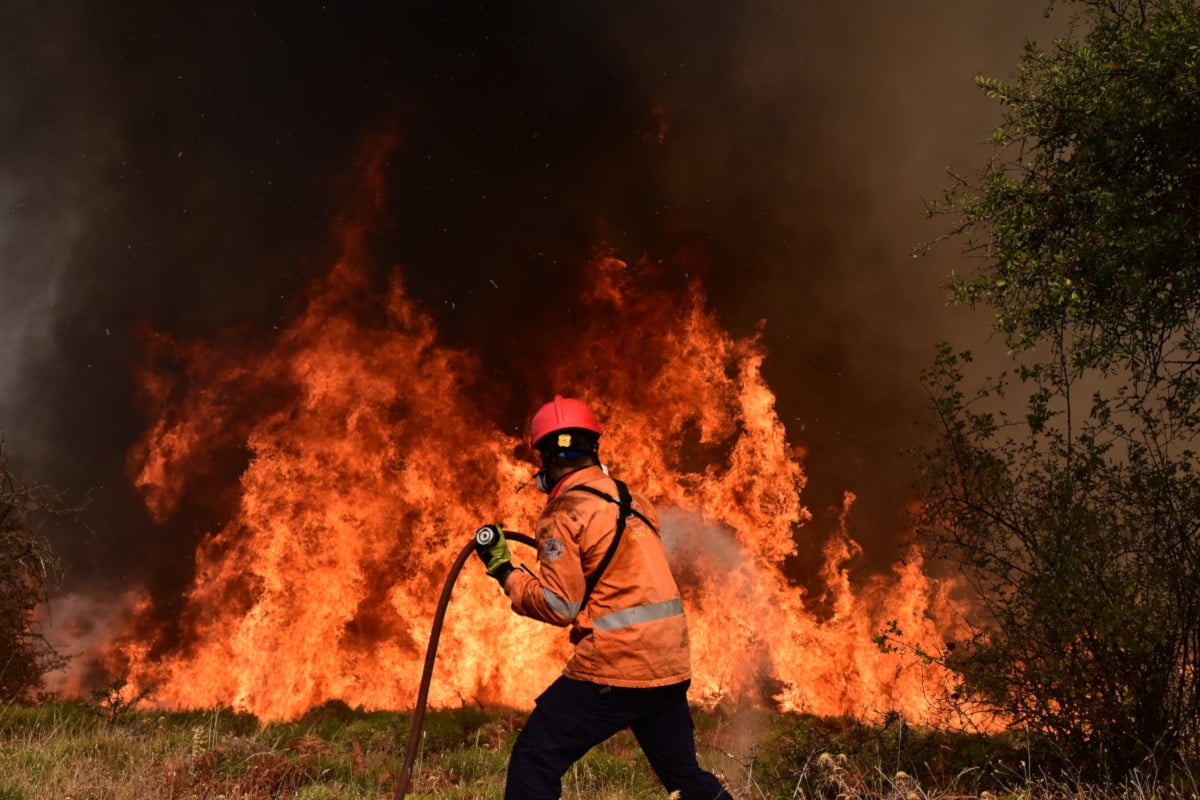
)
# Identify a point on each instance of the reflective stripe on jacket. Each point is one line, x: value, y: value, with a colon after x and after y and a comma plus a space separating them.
x: 633, y: 632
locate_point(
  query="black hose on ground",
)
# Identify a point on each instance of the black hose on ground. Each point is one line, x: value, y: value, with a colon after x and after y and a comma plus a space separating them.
x: 414, y: 736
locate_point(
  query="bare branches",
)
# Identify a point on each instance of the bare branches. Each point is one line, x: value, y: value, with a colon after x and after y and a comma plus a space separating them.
x: 29, y: 569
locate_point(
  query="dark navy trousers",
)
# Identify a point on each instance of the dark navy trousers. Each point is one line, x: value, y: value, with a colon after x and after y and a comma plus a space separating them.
x: 573, y: 716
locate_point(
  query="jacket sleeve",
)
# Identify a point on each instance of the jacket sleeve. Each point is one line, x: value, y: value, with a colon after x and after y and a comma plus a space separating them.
x: 555, y: 594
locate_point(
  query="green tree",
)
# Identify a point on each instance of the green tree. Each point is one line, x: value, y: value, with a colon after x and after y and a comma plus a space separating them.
x: 28, y: 570
x: 1066, y: 486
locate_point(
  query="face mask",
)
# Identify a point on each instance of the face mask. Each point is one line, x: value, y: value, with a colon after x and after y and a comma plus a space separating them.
x: 543, y: 480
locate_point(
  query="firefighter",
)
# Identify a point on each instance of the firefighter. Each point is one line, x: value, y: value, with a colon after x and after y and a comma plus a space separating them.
x: 601, y: 570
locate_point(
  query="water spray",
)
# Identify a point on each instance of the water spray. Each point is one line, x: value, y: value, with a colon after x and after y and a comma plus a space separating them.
x: 484, y: 536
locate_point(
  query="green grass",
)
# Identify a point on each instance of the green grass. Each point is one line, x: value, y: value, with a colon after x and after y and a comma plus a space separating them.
x: 71, y: 750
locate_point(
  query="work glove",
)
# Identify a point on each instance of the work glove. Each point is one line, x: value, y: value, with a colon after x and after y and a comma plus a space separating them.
x: 492, y: 549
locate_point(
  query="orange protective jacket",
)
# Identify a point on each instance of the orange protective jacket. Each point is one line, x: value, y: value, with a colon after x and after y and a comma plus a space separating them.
x: 632, y: 632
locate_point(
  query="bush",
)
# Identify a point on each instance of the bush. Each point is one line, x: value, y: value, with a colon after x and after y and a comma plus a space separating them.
x: 1065, y: 488
x: 28, y: 569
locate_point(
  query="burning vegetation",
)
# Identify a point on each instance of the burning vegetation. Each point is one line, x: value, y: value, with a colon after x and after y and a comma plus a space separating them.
x: 348, y: 459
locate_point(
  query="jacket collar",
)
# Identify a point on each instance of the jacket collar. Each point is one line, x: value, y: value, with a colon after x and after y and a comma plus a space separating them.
x: 581, y: 475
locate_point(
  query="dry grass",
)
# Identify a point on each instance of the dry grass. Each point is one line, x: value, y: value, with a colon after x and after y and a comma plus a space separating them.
x: 63, y: 751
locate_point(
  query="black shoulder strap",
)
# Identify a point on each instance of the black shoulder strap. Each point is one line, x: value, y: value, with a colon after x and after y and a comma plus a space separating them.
x: 624, y: 509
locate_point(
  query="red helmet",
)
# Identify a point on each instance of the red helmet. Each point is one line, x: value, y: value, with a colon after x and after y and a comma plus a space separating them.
x: 559, y: 414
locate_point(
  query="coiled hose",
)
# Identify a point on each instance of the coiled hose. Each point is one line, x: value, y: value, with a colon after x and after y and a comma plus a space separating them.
x: 414, y: 737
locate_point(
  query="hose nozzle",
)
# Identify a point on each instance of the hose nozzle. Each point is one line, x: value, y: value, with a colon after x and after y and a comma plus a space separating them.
x: 485, y: 536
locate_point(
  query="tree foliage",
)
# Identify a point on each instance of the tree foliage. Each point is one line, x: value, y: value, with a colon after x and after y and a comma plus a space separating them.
x: 28, y: 570
x: 1066, y: 486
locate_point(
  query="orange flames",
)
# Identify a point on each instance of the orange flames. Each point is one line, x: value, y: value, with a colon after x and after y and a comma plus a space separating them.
x: 365, y: 461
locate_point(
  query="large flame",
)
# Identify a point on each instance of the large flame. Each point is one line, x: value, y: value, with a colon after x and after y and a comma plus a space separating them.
x: 365, y: 460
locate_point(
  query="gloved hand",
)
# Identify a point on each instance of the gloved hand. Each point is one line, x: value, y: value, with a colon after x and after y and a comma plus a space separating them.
x: 492, y: 549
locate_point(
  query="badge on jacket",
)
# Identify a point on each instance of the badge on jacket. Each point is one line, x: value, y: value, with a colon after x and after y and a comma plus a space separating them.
x: 552, y: 549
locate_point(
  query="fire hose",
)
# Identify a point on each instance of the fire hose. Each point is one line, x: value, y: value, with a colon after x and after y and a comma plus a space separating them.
x: 483, y: 536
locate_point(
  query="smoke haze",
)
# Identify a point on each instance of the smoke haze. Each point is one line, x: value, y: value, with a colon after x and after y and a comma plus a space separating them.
x: 173, y: 171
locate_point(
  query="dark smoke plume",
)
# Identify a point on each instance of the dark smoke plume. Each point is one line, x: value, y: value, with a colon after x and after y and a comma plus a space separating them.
x: 173, y: 169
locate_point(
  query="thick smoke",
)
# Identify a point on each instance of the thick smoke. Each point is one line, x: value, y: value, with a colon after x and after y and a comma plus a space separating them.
x: 174, y: 170
x: 812, y: 140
